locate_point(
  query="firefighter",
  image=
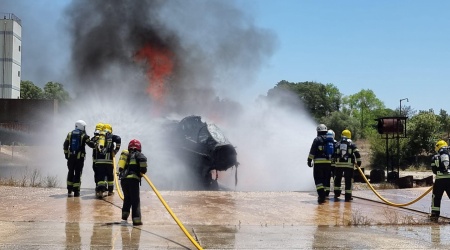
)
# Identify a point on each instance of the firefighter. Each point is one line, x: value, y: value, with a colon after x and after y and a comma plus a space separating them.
x: 132, y: 165
x: 347, y: 154
x: 107, y: 145
x: 96, y: 139
x: 111, y: 139
x: 327, y: 185
x: 320, y: 159
x: 74, y: 151
x: 440, y: 166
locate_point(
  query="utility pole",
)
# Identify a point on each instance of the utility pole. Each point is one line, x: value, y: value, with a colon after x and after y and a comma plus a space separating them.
x: 401, y: 104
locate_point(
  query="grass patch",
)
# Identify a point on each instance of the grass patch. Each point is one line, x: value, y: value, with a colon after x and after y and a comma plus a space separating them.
x: 34, y: 179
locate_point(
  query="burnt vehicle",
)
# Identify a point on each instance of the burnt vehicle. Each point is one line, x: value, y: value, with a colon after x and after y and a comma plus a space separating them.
x: 204, y: 149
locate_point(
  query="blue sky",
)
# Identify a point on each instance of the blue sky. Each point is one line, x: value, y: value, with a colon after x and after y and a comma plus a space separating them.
x: 398, y: 49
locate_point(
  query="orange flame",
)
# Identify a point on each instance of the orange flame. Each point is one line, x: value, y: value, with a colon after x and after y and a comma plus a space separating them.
x: 160, y: 66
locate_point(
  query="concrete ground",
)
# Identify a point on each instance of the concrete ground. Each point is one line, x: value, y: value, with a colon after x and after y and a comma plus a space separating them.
x: 40, y: 218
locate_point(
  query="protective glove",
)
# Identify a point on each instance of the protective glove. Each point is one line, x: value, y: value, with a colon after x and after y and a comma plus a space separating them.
x: 310, y: 163
x: 66, y: 156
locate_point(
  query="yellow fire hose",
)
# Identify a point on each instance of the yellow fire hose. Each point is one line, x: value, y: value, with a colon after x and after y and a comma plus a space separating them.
x: 388, y: 202
x: 119, y: 191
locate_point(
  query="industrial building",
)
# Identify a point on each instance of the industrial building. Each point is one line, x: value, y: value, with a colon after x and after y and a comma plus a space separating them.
x: 11, y: 56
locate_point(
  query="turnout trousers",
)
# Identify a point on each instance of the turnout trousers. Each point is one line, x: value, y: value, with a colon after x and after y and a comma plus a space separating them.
x: 439, y: 187
x: 347, y: 173
x: 75, y: 170
x: 322, y: 173
x: 131, y: 199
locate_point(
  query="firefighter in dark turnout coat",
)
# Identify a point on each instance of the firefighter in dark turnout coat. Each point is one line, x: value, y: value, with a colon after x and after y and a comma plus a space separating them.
x: 347, y: 154
x: 75, y: 151
x: 132, y: 165
x: 103, y: 160
x: 321, y: 162
x: 440, y: 166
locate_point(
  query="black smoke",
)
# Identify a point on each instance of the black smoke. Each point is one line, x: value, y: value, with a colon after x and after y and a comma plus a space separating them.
x: 216, y: 49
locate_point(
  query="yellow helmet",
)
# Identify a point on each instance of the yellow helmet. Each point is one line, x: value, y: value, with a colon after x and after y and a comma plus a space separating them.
x: 98, y: 127
x: 439, y: 145
x: 107, y: 128
x: 347, y: 134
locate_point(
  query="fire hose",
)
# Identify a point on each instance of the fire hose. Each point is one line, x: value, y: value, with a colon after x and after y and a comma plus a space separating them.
x: 119, y: 191
x: 386, y: 201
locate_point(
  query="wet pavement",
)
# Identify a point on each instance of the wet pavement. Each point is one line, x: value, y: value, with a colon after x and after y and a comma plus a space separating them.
x: 40, y: 218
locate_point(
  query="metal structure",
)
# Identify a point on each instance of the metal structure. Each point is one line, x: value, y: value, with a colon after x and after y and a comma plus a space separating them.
x: 204, y: 148
x: 11, y: 56
x: 392, y: 128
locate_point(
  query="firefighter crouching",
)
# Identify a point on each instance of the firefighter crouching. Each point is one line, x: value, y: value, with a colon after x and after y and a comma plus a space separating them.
x: 321, y: 161
x: 347, y: 154
x: 440, y: 167
x: 132, y: 164
x: 74, y: 151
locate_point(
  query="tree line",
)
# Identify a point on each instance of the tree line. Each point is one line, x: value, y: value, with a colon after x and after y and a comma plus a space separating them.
x: 359, y: 113
x: 51, y: 91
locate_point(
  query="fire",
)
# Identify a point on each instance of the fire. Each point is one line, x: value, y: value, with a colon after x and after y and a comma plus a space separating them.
x: 160, y: 66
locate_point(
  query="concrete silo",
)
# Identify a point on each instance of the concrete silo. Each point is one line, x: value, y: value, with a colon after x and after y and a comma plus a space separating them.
x: 11, y: 55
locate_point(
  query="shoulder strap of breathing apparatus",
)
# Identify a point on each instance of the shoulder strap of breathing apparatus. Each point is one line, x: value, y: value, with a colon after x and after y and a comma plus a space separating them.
x: 344, y: 149
x: 444, y: 159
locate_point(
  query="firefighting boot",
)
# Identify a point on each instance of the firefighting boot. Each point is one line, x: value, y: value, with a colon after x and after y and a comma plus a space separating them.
x: 321, y: 200
x: 125, y: 215
x: 348, y: 197
x: 337, y: 193
x: 434, y: 216
x: 76, y: 193
x: 69, y: 194
x: 137, y: 221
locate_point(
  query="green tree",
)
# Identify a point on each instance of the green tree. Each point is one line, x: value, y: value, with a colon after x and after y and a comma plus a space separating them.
x: 338, y: 121
x: 55, y: 90
x: 423, y: 132
x: 366, y: 107
x: 30, y: 91
x: 319, y: 100
x: 444, y: 120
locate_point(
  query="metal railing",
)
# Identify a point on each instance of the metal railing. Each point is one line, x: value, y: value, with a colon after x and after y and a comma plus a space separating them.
x: 11, y: 16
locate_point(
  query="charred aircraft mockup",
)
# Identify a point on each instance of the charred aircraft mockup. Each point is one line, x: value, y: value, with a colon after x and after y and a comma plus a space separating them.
x: 204, y: 148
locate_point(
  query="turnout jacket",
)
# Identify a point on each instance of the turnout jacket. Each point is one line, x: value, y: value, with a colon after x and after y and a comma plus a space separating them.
x: 438, y: 167
x: 351, y: 157
x: 317, y: 152
x: 84, y: 140
x: 112, y: 146
x: 132, y: 164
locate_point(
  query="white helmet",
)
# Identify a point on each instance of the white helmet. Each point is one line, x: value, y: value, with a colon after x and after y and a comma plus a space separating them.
x: 80, y: 125
x: 322, y: 128
x: 331, y: 133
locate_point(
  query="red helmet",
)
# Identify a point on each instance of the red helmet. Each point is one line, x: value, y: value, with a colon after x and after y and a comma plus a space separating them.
x: 134, y: 144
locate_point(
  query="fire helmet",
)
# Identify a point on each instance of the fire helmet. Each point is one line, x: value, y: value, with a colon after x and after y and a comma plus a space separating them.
x: 134, y: 145
x: 107, y: 128
x: 98, y: 127
x: 440, y: 144
x: 322, y: 128
x: 346, y: 133
x: 80, y: 125
x: 331, y: 133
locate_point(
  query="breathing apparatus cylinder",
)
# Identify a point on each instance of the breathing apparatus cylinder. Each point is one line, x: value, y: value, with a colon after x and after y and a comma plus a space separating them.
x: 122, y: 163
x: 101, y: 140
x: 123, y: 159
